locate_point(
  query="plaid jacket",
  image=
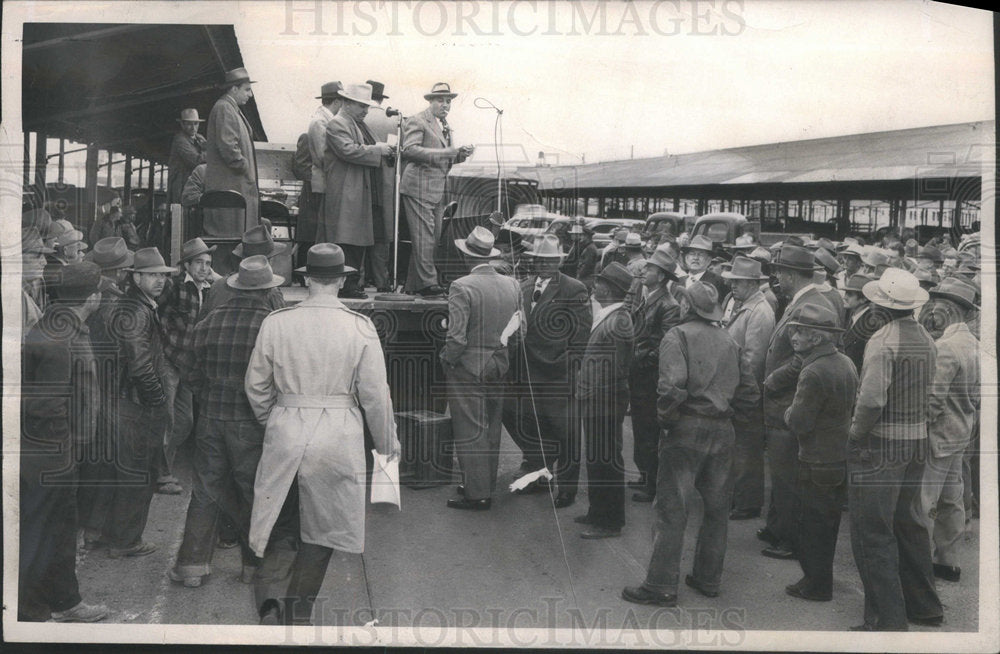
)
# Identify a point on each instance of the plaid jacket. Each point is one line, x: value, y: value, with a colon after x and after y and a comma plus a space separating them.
x: 217, y: 361
x: 179, y: 307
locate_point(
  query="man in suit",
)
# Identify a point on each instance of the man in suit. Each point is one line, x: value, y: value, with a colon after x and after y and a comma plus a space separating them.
x: 381, y: 126
x: 306, y: 226
x: 187, y: 150
x: 351, y: 196
x: 480, y: 306
x: 231, y: 158
x: 602, y: 388
x: 697, y: 255
x: 428, y: 155
x: 541, y: 414
x: 793, y: 267
x: 652, y: 317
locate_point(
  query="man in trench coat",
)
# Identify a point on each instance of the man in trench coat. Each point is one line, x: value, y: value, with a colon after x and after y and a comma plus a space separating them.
x: 315, y: 366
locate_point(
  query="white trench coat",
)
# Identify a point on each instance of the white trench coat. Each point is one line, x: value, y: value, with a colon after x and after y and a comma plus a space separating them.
x: 312, y: 367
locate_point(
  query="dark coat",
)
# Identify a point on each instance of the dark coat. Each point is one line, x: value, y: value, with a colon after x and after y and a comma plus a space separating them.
x: 651, y: 319
x: 856, y: 337
x: 718, y: 282
x: 185, y: 153
x: 347, y: 215
x: 136, y: 329
x: 581, y: 264
x: 556, y: 329
x: 609, y: 349
x: 232, y: 166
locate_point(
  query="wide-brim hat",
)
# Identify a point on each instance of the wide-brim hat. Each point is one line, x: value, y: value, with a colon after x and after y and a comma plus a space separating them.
x: 189, y: 116
x: 661, y: 259
x: 440, y: 90
x: 330, y: 90
x: 325, y: 260
x: 704, y: 301
x: 149, y: 260
x: 378, y: 90
x: 932, y: 253
x: 617, y: 275
x: 258, y: 240
x: 361, y: 93
x: 478, y: 244
x: 69, y: 237
x: 193, y: 248
x: 699, y: 242
x: 743, y: 242
x: 795, y: 257
x: 957, y: 290
x: 745, y: 268
x: 111, y: 253
x: 546, y: 246
x: 632, y: 241
x: 826, y: 259
x: 857, y: 282
x: 875, y: 257
x: 816, y: 316
x: 237, y: 76
x: 254, y: 274
x: 896, y: 289
x: 852, y: 250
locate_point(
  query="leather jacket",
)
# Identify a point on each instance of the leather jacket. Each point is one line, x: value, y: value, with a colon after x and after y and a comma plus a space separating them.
x: 136, y: 328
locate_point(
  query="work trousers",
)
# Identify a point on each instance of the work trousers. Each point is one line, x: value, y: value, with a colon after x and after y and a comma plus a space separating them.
x: 424, y: 219
x: 891, y: 545
x: 378, y: 261
x: 225, y: 465
x: 180, y: 417
x: 748, y: 462
x: 822, y: 489
x: 97, y: 478
x: 476, y: 406
x: 645, y: 427
x: 942, y: 508
x: 547, y: 430
x: 783, y: 511
x: 696, y: 454
x: 136, y: 440
x: 602, y: 427
x: 354, y: 256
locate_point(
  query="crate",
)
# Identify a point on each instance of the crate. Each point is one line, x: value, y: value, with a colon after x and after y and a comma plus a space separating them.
x: 428, y: 452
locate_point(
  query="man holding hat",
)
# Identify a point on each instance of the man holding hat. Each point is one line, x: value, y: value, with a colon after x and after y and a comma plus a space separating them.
x: 316, y: 377
x: 229, y: 438
x: 953, y: 405
x: 305, y: 230
x: 603, y: 390
x: 58, y: 414
x: 702, y: 383
x: 352, y: 198
x: 481, y: 306
x: 750, y: 325
x: 231, y: 158
x: 887, y: 455
x: 581, y: 261
x: 541, y: 415
x: 256, y: 240
x: 819, y: 416
x: 697, y: 255
x: 187, y: 150
x: 652, y: 317
x: 427, y: 156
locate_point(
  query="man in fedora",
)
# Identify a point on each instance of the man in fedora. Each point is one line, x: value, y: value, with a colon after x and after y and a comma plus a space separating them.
x: 179, y: 307
x: 863, y: 318
x: 653, y: 316
x: 613, y: 250
x: 142, y: 405
x: 582, y: 258
x: 117, y: 222
x: 381, y: 126
x: 231, y: 158
x: 256, y: 240
x: 698, y: 255
x: 540, y: 414
x: 953, y: 406
x: 634, y: 260
x: 750, y: 325
x: 819, y: 417
x: 315, y: 379
x: 886, y: 460
x: 58, y: 414
x: 702, y: 382
x: 427, y: 155
x: 311, y: 201
x: 602, y: 388
x: 187, y: 150
x: 850, y: 261
x: 793, y: 266
x: 229, y: 438
x: 352, y: 196
x: 480, y: 306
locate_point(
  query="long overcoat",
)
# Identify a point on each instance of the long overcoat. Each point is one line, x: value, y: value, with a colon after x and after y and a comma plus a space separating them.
x: 347, y: 216
x: 232, y: 166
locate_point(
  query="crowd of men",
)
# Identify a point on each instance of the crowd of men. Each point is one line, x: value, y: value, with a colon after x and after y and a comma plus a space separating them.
x: 851, y: 368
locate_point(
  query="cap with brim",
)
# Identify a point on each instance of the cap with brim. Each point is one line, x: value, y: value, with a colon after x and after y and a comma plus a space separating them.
x: 257, y: 240
x: 149, y: 260
x: 69, y: 237
x: 546, y: 246
x: 704, y: 301
x: 325, y: 260
x: 958, y: 291
x: 255, y: 274
x: 111, y: 253
x: 815, y: 316
x: 745, y: 268
x: 896, y: 289
x: 479, y: 244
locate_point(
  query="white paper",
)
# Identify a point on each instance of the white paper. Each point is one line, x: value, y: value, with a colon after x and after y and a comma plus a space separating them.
x: 523, y: 482
x: 391, y: 138
x: 385, y: 480
x: 512, y: 326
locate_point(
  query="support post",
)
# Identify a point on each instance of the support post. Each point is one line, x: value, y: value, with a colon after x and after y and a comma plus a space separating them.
x: 90, y: 185
x: 41, y: 152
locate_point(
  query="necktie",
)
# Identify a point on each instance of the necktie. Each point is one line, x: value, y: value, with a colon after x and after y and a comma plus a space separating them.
x: 446, y: 131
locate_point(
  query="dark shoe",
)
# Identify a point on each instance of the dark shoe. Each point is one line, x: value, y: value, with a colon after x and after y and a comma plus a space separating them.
x: 947, y: 572
x: 864, y: 627
x: 384, y: 289
x: 470, y: 505
x: 270, y: 613
x: 170, y: 488
x: 564, y: 499
x: 141, y: 549
x: 582, y: 519
x: 460, y: 489
x: 744, y: 514
x: 352, y: 294
x: 795, y: 590
x: 936, y: 621
x: 640, y: 595
x: 596, y: 532
x: 431, y: 291
x: 643, y: 496
x: 538, y: 486
x: 778, y: 552
x: 694, y: 583
x: 190, y: 582
x: 765, y: 535
x: 81, y: 613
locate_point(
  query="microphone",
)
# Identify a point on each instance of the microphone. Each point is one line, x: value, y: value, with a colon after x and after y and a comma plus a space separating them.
x: 390, y: 112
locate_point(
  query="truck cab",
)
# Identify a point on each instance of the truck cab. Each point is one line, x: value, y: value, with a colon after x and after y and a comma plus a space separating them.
x: 725, y: 227
x: 667, y: 223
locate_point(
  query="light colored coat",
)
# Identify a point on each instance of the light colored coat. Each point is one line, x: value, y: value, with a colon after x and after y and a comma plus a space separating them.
x: 751, y: 326
x: 425, y: 157
x: 317, y: 146
x: 479, y: 307
x: 232, y: 166
x: 347, y: 199
x: 311, y: 368
x: 953, y: 402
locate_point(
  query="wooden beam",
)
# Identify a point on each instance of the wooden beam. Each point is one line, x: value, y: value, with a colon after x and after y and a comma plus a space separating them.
x: 92, y: 35
x: 41, y: 158
x: 90, y: 185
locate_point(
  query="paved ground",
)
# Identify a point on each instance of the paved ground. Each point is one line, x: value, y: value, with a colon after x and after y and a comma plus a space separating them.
x: 521, y: 565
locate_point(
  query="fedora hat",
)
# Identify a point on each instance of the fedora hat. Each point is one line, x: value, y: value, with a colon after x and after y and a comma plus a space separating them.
x: 513, y: 239
x: 699, y: 242
x: 957, y: 290
x: 440, y: 90
x: 661, y: 259
x: 78, y: 280
x: 826, y: 244
x: 816, y: 316
x: 189, y: 116
x: 69, y: 237
x: 378, y: 90
x: 330, y: 90
x: 857, y: 282
x: 875, y: 257
x: 617, y: 275
x: 743, y: 242
x: 745, y: 268
x: 852, y: 250
x: 795, y: 257
x: 257, y: 240
x: 149, y: 260
x: 826, y: 259
x: 325, y: 260
x: 360, y: 93
x: 479, y: 244
x: 111, y: 253
x: 932, y: 253
x: 193, y: 248
x: 927, y: 278
x: 32, y: 243
x: 896, y: 289
x: 546, y: 246
x: 237, y: 76
x: 633, y: 241
x: 760, y: 254
x: 704, y: 300
x: 254, y: 274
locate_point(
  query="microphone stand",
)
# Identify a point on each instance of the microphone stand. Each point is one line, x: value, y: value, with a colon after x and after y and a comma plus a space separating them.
x: 396, y: 294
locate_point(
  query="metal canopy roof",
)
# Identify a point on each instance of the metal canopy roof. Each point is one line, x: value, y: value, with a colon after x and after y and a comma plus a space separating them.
x: 121, y: 86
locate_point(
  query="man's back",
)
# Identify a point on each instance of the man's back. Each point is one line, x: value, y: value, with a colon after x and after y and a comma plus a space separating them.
x: 479, y: 307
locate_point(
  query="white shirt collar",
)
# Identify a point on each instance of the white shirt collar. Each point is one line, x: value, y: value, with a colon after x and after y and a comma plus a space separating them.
x: 857, y: 314
x: 693, y: 277
x: 200, y: 286
x: 603, y: 313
